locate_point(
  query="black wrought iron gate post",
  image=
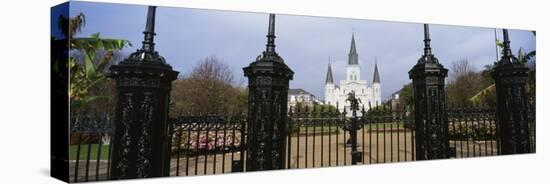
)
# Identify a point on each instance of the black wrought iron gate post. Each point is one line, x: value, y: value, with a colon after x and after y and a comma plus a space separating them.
x: 141, y: 144
x: 268, y: 81
x: 430, y: 117
x: 510, y: 78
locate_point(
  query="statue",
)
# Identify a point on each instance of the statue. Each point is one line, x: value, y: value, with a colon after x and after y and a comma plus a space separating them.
x: 352, y: 127
x: 354, y: 102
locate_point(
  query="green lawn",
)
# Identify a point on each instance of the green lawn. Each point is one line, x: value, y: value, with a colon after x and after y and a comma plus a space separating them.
x: 93, y: 152
x: 381, y: 126
x: 334, y: 129
x: 318, y: 129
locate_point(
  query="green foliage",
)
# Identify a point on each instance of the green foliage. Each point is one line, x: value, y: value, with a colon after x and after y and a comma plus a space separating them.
x: 472, y: 131
x: 324, y: 108
x: 406, y: 95
x: 486, y: 96
x: 378, y: 111
x: 467, y: 86
x: 88, y: 71
x: 208, y: 88
x: 94, y: 148
x: 499, y: 43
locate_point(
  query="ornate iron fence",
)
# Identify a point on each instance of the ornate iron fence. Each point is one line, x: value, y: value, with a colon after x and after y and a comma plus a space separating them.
x: 90, y: 147
x: 201, y: 144
x: 207, y: 144
x: 213, y: 144
x: 473, y: 131
x: 321, y: 137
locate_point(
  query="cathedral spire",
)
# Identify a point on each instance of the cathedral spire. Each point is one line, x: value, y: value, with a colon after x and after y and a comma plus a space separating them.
x: 353, y: 56
x: 376, y: 77
x: 329, y: 79
x: 352, y: 49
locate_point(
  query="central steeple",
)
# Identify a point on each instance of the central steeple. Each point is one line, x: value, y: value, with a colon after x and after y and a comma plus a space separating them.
x: 376, y: 77
x: 353, y: 56
x: 329, y: 79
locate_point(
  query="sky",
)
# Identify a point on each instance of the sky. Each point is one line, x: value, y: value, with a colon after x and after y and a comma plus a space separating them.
x: 185, y: 36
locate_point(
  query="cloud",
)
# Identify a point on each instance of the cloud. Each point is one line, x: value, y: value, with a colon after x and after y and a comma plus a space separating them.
x: 184, y: 36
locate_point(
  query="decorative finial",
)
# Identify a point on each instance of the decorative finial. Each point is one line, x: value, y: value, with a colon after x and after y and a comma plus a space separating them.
x: 507, y: 51
x: 149, y: 33
x: 147, y: 51
x: 507, y: 56
x: 427, y: 48
x: 270, y: 47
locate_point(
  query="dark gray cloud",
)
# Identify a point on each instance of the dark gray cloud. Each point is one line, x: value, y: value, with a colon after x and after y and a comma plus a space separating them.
x: 184, y: 36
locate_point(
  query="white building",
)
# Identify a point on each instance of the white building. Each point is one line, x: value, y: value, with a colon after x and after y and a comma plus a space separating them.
x: 336, y: 95
x: 393, y: 99
x: 301, y: 96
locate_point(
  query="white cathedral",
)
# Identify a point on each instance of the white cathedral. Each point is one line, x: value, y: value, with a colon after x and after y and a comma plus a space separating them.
x: 336, y: 95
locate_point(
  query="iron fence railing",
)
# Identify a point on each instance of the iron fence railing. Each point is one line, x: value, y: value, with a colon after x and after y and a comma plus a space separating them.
x: 213, y: 144
x: 320, y: 137
x: 207, y: 144
x: 90, y: 147
x: 473, y: 131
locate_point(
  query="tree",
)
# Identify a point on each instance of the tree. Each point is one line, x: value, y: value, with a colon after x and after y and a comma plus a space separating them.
x: 324, y: 108
x: 208, y: 89
x: 486, y: 96
x: 464, y: 83
x: 89, y: 70
x: 406, y: 95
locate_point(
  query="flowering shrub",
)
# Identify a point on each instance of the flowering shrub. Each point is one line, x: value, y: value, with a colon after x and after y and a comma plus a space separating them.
x: 202, y: 140
x: 472, y: 130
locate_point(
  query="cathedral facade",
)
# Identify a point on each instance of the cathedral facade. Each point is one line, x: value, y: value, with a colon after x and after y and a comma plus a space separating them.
x: 336, y: 95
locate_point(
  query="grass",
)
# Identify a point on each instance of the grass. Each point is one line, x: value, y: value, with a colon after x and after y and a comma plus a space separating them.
x: 93, y: 152
x: 334, y: 129
x: 319, y: 129
x: 381, y: 126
